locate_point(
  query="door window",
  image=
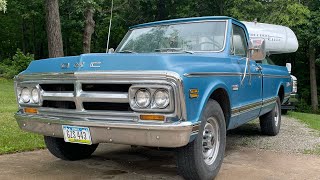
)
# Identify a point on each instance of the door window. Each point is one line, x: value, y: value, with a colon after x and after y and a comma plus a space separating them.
x: 239, y: 43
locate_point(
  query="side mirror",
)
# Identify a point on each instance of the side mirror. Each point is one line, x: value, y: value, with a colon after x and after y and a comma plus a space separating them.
x: 288, y: 65
x: 257, y: 48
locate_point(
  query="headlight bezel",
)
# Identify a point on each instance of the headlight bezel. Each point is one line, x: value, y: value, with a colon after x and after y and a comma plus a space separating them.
x: 31, y: 88
x: 152, y: 89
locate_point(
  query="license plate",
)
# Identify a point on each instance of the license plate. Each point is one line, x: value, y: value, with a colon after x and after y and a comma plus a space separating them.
x: 76, y: 134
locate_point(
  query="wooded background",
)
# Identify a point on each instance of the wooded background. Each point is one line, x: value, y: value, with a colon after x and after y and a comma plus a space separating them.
x: 40, y: 29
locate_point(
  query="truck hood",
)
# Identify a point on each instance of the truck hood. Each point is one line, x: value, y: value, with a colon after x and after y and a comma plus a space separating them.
x: 179, y: 63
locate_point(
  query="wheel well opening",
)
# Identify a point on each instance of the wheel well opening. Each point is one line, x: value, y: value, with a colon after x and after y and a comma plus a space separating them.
x: 281, y: 93
x: 221, y: 96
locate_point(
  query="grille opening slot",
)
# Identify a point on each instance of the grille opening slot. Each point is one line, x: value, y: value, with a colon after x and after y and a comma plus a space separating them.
x: 59, y: 104
x: 107, y: 106
x: 57, y: 87
x: 106, y: 87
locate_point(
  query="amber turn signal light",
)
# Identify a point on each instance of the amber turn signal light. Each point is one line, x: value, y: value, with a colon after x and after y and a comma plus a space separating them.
x: 152, y: 117
x: 31, y: 110
x: 193, y: 93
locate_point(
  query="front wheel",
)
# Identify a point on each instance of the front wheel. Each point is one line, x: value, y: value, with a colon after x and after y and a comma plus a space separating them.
x: 202, y: 158
x: 270, y: 122
x: 68, y: 151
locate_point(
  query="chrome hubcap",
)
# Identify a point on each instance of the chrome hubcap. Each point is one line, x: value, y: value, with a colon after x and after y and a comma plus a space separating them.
x: 276, y: 115
x: 210, y: 141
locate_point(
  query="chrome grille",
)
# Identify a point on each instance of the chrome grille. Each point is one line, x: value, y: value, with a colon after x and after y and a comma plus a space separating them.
x: 100, y: 91
x: 86, y: 96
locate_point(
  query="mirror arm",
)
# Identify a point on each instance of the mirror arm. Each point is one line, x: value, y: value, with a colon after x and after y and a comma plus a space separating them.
x: 247, y: 67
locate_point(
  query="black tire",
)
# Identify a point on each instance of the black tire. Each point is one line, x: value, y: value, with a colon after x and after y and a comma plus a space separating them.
x: 284, y: 111
x: 68, y: 151
x: 191, y: 160
x: 270, y: 123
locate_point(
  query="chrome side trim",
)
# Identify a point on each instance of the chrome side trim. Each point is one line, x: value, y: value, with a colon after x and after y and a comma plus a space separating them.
x: 201, y: 74
x: 134, y: 133
x: 269, y: 101
x: 246, y: 108
x: 252, y: 106
x: 275, y: 76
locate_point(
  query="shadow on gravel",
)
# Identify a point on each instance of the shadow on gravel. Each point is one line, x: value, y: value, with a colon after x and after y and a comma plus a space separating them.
x: 138, y: 160
x: 249, y: 129
x: 154, y: 162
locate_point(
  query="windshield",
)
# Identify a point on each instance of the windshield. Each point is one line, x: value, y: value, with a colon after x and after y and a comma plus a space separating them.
x: 183, y: 37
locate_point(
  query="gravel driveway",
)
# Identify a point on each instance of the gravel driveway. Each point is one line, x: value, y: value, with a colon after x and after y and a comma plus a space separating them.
x: 249, y: 156
x: 294, y: 137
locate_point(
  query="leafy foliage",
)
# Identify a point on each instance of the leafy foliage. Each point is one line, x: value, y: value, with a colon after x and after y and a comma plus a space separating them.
x: 3, y: 5
x: 23, y: 25
x: 19, y: 62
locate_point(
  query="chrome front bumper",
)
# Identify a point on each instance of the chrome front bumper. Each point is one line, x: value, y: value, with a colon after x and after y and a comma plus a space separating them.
x: 131, y: 133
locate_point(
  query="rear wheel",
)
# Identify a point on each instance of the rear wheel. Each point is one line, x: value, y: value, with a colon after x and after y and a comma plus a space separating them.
x: 68, y: 151
x: 202, y: 158
x: 270, y: 122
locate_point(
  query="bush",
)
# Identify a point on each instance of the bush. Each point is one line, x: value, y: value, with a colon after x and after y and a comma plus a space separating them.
x: 19, y: 62
x: 303, y: 106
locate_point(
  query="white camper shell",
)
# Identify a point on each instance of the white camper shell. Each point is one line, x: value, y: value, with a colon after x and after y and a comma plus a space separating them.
x: 279, y: 39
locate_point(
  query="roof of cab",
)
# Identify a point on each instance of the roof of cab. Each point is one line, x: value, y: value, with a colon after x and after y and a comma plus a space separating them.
x: 204, y: 18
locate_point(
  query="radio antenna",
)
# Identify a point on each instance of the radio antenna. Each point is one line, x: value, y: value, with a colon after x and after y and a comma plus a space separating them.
x: 110, y: 24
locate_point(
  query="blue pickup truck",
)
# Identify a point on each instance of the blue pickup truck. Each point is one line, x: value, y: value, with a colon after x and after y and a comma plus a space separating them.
x: 176, y: 83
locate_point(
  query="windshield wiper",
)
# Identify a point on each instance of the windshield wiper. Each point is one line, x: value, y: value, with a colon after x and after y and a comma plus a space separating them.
x: 126, y: 51
x: 174, y: 50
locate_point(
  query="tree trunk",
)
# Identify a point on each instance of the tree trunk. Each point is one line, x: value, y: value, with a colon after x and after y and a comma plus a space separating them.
x: 161, y: 8
x: 313, y: 80
x: 88, y: 29
x: 55, y: 44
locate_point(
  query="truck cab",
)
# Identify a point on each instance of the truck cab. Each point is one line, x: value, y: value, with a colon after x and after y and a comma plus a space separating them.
x: 178, y: 83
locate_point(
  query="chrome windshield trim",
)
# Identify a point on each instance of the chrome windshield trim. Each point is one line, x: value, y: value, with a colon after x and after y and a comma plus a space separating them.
x: 189, y: 22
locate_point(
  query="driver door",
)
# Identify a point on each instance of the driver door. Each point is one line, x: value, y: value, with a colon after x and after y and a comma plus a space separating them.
x: 249, y: 92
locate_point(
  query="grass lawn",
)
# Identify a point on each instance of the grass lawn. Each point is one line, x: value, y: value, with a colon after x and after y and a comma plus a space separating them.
x: 312, y: 120
x: 12, y: 139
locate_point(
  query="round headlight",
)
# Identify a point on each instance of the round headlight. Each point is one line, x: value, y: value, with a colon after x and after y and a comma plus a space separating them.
x: 161, y: 98
x: 143, y: 98
x: 35, y: 95
x: 25, y: 95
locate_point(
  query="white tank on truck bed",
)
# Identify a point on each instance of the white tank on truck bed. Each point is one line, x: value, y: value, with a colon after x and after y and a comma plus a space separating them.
x: 279, y: 39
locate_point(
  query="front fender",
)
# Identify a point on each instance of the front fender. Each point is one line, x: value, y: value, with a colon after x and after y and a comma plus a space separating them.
x: 195, y: 106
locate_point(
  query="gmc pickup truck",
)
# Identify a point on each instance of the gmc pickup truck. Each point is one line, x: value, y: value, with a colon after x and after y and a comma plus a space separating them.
x: 178, y: 83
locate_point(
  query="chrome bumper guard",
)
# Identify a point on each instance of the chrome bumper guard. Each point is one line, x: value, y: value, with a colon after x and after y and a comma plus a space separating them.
x: 131, y: 133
